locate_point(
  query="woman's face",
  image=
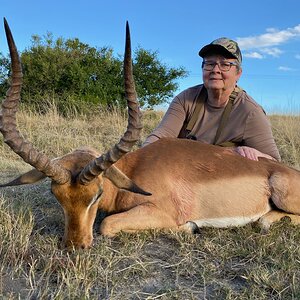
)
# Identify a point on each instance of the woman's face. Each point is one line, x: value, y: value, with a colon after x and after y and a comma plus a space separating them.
x: 217, y: 79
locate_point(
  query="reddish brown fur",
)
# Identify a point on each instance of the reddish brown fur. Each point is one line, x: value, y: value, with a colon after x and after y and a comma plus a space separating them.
x: 179, y: 173
x: 75, y: 198
x: 188, y: 180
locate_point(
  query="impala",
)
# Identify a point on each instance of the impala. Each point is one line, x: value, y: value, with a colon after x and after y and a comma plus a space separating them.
x: 176, y: 184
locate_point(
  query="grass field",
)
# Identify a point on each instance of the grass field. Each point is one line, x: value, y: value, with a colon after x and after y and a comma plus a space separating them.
x: 235, y: 263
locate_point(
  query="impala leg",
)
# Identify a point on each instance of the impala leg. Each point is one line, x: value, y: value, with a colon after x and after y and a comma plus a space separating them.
x: 285, y: 191
x: 274, y: 216
x: 141, y: 217
x: 189, y: 227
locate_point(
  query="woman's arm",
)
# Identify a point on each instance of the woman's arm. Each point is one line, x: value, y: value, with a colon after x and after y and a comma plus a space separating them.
x: 171, y: 123
x: 258, y: 138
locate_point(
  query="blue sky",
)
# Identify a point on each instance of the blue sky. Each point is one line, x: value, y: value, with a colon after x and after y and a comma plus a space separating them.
x: 268, y: 32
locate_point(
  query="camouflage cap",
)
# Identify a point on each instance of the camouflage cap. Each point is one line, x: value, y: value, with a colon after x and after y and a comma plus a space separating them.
x: 223, y: 46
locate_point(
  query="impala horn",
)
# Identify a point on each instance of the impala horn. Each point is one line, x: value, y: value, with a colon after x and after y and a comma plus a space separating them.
x: 130, y: 137
x: 8, y: 127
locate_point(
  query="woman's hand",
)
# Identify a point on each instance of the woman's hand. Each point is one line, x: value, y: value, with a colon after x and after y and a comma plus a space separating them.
x: 251, y: 153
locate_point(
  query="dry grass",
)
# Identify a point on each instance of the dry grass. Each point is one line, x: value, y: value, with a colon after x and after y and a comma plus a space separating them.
x: 237, y: 263
x: 287, y: 134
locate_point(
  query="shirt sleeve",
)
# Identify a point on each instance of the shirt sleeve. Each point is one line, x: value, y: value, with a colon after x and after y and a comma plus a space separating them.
x: 172, y: 121
x: 258, y: 134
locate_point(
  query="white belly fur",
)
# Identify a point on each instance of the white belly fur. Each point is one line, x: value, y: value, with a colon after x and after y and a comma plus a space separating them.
x: 228, y: 222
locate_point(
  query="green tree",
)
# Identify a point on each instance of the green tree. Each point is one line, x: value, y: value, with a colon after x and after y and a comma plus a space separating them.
x: 4, y: 73
x: 155, y: 81
x: 73, y: 74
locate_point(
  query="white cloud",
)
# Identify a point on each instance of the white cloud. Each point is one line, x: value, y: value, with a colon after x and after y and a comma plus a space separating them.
x: 264, y: 45
x: 285, y: 69
x: 253, y: 55
x: 273, y: 37
x: 275, y: 52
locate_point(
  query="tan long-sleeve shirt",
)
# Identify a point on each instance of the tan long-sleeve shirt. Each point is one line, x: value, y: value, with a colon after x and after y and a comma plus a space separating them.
x: 247, y: 124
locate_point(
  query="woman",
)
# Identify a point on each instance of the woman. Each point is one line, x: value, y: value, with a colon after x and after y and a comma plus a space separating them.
x: 218, y: 111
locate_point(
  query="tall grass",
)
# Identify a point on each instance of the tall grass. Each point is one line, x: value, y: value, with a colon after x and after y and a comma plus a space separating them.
x: 236, y: 263
x: 286, y: 131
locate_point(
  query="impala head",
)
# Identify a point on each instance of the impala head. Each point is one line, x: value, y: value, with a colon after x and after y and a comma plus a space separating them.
x: 76, y: 177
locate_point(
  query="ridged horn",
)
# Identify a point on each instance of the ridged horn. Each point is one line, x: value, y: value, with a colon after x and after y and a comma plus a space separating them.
x: 132, y: 134
x: 8, y: 127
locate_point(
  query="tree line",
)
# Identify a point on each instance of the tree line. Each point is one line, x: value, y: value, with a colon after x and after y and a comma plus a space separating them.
x: 75, y: 75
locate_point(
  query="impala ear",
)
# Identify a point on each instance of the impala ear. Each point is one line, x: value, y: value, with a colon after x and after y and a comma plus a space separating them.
x: 32, y: 176
x: 121, y: 181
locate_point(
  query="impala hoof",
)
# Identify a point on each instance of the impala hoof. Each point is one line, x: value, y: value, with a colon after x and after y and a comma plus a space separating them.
x: 193, y: 227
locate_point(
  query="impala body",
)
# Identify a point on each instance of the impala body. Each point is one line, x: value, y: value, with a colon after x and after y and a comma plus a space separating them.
x: 173, y: 183
x: 205, y: 184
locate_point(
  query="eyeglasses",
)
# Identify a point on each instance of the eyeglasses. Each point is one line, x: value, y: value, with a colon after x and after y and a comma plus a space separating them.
x: 223, y: 66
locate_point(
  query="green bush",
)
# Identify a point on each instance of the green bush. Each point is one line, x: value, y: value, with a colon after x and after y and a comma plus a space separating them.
x: 79, y: 76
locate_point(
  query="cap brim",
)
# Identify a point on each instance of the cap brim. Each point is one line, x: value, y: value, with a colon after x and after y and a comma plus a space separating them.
x: 215, y: 49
